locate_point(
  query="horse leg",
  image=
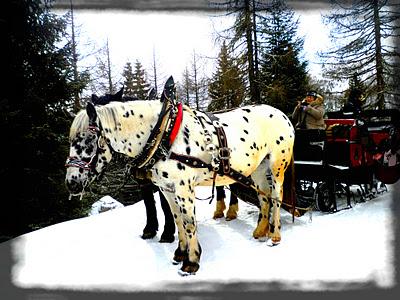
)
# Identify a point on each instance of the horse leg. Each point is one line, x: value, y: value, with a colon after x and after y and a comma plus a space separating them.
x: 183, y: 203
x: 260, y: 180
x: 191, y: 264
x: 181, y: 252
x: 277, y: 196
x: 231, y: 214
x: 150, y: 230
x: 220, y: 207
x: 169, y: 226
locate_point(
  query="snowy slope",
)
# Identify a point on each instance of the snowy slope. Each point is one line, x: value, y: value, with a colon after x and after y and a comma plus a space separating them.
x: 105, y: 251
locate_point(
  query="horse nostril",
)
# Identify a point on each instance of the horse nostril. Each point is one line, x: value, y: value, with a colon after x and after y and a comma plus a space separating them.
x: 74, y: 186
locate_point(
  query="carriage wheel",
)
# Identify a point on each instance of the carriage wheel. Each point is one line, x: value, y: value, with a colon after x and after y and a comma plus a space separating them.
x: 323, y: 199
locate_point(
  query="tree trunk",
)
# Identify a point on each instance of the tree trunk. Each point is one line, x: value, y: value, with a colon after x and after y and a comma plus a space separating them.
x: 250, y: 52
x: 77, y: 103
x: 196, y: 87
x: 256, y: 62
x: 155, y: 72
x: 110, y: 84
x: 380, y: 82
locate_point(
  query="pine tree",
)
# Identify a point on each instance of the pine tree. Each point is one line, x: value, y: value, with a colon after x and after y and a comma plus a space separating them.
x: 127, y: 75
x: 140, y: 86
x: 185, y: 88
x: 227, y: 87
x: 356, y: 92
x: 283, y: 75
x: 364, y: 34
x: 34, y: 118
x: 103, y: 79
x: 243, y: 40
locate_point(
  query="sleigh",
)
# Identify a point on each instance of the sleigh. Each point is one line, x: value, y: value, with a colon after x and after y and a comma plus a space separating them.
x: 354, y: 150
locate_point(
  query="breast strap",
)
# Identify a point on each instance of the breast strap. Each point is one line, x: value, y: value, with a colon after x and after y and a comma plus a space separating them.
x: 224, y: 152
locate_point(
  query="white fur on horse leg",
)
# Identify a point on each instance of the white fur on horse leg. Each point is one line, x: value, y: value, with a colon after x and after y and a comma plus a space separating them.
x: 261, y: 182
x: 275, y: 227
x: 176, y: 212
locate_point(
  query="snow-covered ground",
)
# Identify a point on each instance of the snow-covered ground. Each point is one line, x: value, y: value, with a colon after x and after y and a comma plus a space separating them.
x: 105, y: 252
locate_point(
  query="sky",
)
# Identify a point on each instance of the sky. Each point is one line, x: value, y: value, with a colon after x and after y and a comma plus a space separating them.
x: 174, y: 37
x: 350, y: 250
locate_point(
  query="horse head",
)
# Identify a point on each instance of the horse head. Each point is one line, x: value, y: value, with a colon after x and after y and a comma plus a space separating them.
x: 89, y: 152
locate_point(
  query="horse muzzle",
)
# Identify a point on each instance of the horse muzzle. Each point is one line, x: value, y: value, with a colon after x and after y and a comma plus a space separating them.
x: 74, y: 187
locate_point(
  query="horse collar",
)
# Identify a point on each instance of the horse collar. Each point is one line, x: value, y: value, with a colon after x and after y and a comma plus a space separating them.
x: 161, y: 138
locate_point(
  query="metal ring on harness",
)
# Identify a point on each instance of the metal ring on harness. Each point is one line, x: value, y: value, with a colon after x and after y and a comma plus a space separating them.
x: 224, y: 155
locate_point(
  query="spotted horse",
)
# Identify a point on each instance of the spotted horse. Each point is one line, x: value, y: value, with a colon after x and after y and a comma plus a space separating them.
x: 147, y: 188
x: 180, y: 148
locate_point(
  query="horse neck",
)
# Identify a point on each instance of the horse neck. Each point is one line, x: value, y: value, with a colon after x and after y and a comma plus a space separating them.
x: 134, y: 122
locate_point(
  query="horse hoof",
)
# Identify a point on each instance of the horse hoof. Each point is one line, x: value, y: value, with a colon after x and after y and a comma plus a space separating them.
x: 262, y: 239
x: 182, y: 273
x: 189, y: 268
x: 179, y: 256
x: 230, y: 218
x: 218, y: 215
x: 175, y: 262
x: 166, y: 239
x: 272, y: 243
x: 148, y: 235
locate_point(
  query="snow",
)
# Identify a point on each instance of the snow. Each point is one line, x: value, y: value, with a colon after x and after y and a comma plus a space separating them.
x: 104, y: 252
x: 104, y: 204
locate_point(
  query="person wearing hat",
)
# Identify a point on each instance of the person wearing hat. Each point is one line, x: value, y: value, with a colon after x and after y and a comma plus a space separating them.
x: 309, y: 113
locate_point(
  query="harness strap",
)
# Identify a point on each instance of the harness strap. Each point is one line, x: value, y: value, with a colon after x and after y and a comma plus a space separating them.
x: 195, y: 162
x: 224, y: 152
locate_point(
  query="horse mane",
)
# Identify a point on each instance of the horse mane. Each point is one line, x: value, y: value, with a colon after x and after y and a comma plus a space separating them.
x: 108, y: 115
x: 79, y: 124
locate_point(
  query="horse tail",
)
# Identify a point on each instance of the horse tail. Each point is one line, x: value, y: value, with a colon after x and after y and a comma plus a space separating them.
x: 289, y: 190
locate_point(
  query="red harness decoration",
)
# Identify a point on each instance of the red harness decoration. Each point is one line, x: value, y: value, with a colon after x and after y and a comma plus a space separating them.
x: 177, y: 125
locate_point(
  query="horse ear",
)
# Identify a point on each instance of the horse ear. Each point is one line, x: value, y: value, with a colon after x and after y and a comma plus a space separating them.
x: 118, y: 95
x: 169, y: 89
x: 152, y: 95
x: 95, y: 99
x: 91, y: 112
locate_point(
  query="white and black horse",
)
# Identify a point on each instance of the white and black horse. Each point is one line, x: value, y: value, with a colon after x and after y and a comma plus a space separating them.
x: 182, y: 148
x: 147, y: 188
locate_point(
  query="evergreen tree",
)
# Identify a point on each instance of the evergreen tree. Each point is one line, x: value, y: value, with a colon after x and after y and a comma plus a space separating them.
x: 34, y: 120
x: 227, y: 87
x: 283, y: 75
x: 103, y: 77
x: 140, y: 86
x: 199, y: 85
x: 355, y: 94
x: 127, y: 74
x: 185, y: 88
x: 364, y: 36
x: 243, y: 40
